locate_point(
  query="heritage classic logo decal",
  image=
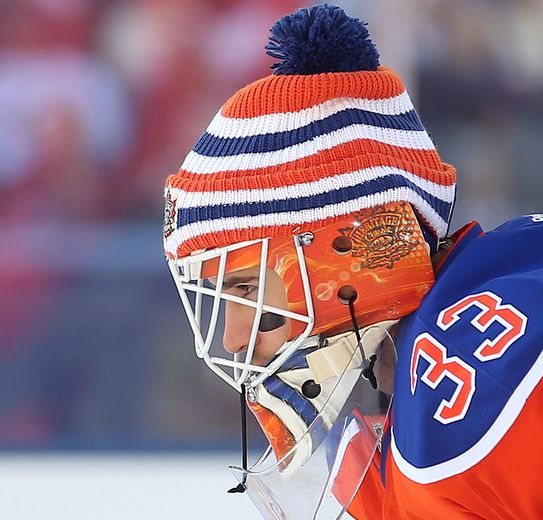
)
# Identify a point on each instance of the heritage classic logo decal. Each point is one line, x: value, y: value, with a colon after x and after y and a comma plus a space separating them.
x: 170, y: 213
x: 383, y: 238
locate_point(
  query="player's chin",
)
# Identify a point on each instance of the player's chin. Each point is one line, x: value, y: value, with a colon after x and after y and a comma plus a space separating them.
x: 261, y: 360
x: 263, y: 357
x: 268, y: 345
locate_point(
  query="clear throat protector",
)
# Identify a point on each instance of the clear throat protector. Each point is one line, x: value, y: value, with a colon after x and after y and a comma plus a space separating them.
x: 324, y: 421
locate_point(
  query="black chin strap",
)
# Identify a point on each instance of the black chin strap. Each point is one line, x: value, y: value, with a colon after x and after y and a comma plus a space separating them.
x: 368, y: 364
x: 241, y: 488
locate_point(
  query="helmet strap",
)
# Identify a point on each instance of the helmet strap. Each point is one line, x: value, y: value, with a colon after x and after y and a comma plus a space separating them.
x: 367, y: 370
x: 241, y: 487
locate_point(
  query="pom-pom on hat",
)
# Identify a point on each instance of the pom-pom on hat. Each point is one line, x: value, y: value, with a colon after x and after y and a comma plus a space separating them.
x: 329, y: 133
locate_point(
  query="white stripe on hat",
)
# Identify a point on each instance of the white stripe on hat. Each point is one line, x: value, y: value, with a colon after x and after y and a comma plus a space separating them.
x: 415, y: 140
x: 229, y: 127
x: 306, y: 216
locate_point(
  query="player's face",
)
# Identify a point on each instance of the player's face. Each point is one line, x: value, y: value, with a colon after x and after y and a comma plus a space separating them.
x: 239, y: 318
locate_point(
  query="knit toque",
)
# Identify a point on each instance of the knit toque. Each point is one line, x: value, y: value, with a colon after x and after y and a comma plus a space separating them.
x: 300, y: 149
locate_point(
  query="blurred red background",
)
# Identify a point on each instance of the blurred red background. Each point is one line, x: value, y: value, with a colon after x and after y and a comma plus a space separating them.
x: 100, y: 100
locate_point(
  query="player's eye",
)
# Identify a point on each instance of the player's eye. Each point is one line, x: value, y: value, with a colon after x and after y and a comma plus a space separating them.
x: 245, y: 290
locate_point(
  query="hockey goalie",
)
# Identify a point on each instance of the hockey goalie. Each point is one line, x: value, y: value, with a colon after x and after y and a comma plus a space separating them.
x: 395, y: 368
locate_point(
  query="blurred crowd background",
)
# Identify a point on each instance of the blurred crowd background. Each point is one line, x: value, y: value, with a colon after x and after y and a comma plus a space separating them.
x: 99, y: 102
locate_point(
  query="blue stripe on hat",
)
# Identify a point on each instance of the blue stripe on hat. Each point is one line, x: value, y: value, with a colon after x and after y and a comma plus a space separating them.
x: 212, y: 146
x: 289, y: 395
x: 379, y: 185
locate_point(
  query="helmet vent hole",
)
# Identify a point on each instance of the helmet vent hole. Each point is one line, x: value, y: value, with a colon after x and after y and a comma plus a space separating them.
x: 346, y: 294
x: 311, y: 389
x: 342, y: 245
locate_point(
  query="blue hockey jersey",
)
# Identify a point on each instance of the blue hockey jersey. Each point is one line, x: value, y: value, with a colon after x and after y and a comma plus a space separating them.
x: 465, y: 440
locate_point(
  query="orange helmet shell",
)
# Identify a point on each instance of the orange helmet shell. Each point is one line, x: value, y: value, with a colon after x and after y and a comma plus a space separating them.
x: 379, y: 252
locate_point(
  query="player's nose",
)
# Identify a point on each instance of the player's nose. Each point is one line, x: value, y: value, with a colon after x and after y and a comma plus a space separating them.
x: 238, y: 322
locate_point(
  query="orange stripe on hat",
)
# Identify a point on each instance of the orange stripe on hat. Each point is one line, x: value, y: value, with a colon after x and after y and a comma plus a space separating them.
x: 275, y: 94
x: 343, y: 158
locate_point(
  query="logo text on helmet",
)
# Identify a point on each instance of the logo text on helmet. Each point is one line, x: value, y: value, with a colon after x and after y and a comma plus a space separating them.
x: 383, y: 237
x: 170, y: 213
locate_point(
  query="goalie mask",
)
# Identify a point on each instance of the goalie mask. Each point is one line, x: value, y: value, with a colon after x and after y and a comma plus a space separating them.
x: 272, y: 294
x: 297, y: 231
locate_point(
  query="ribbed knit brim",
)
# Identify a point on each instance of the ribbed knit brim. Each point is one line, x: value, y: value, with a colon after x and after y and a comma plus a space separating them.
x: 292, y: 153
